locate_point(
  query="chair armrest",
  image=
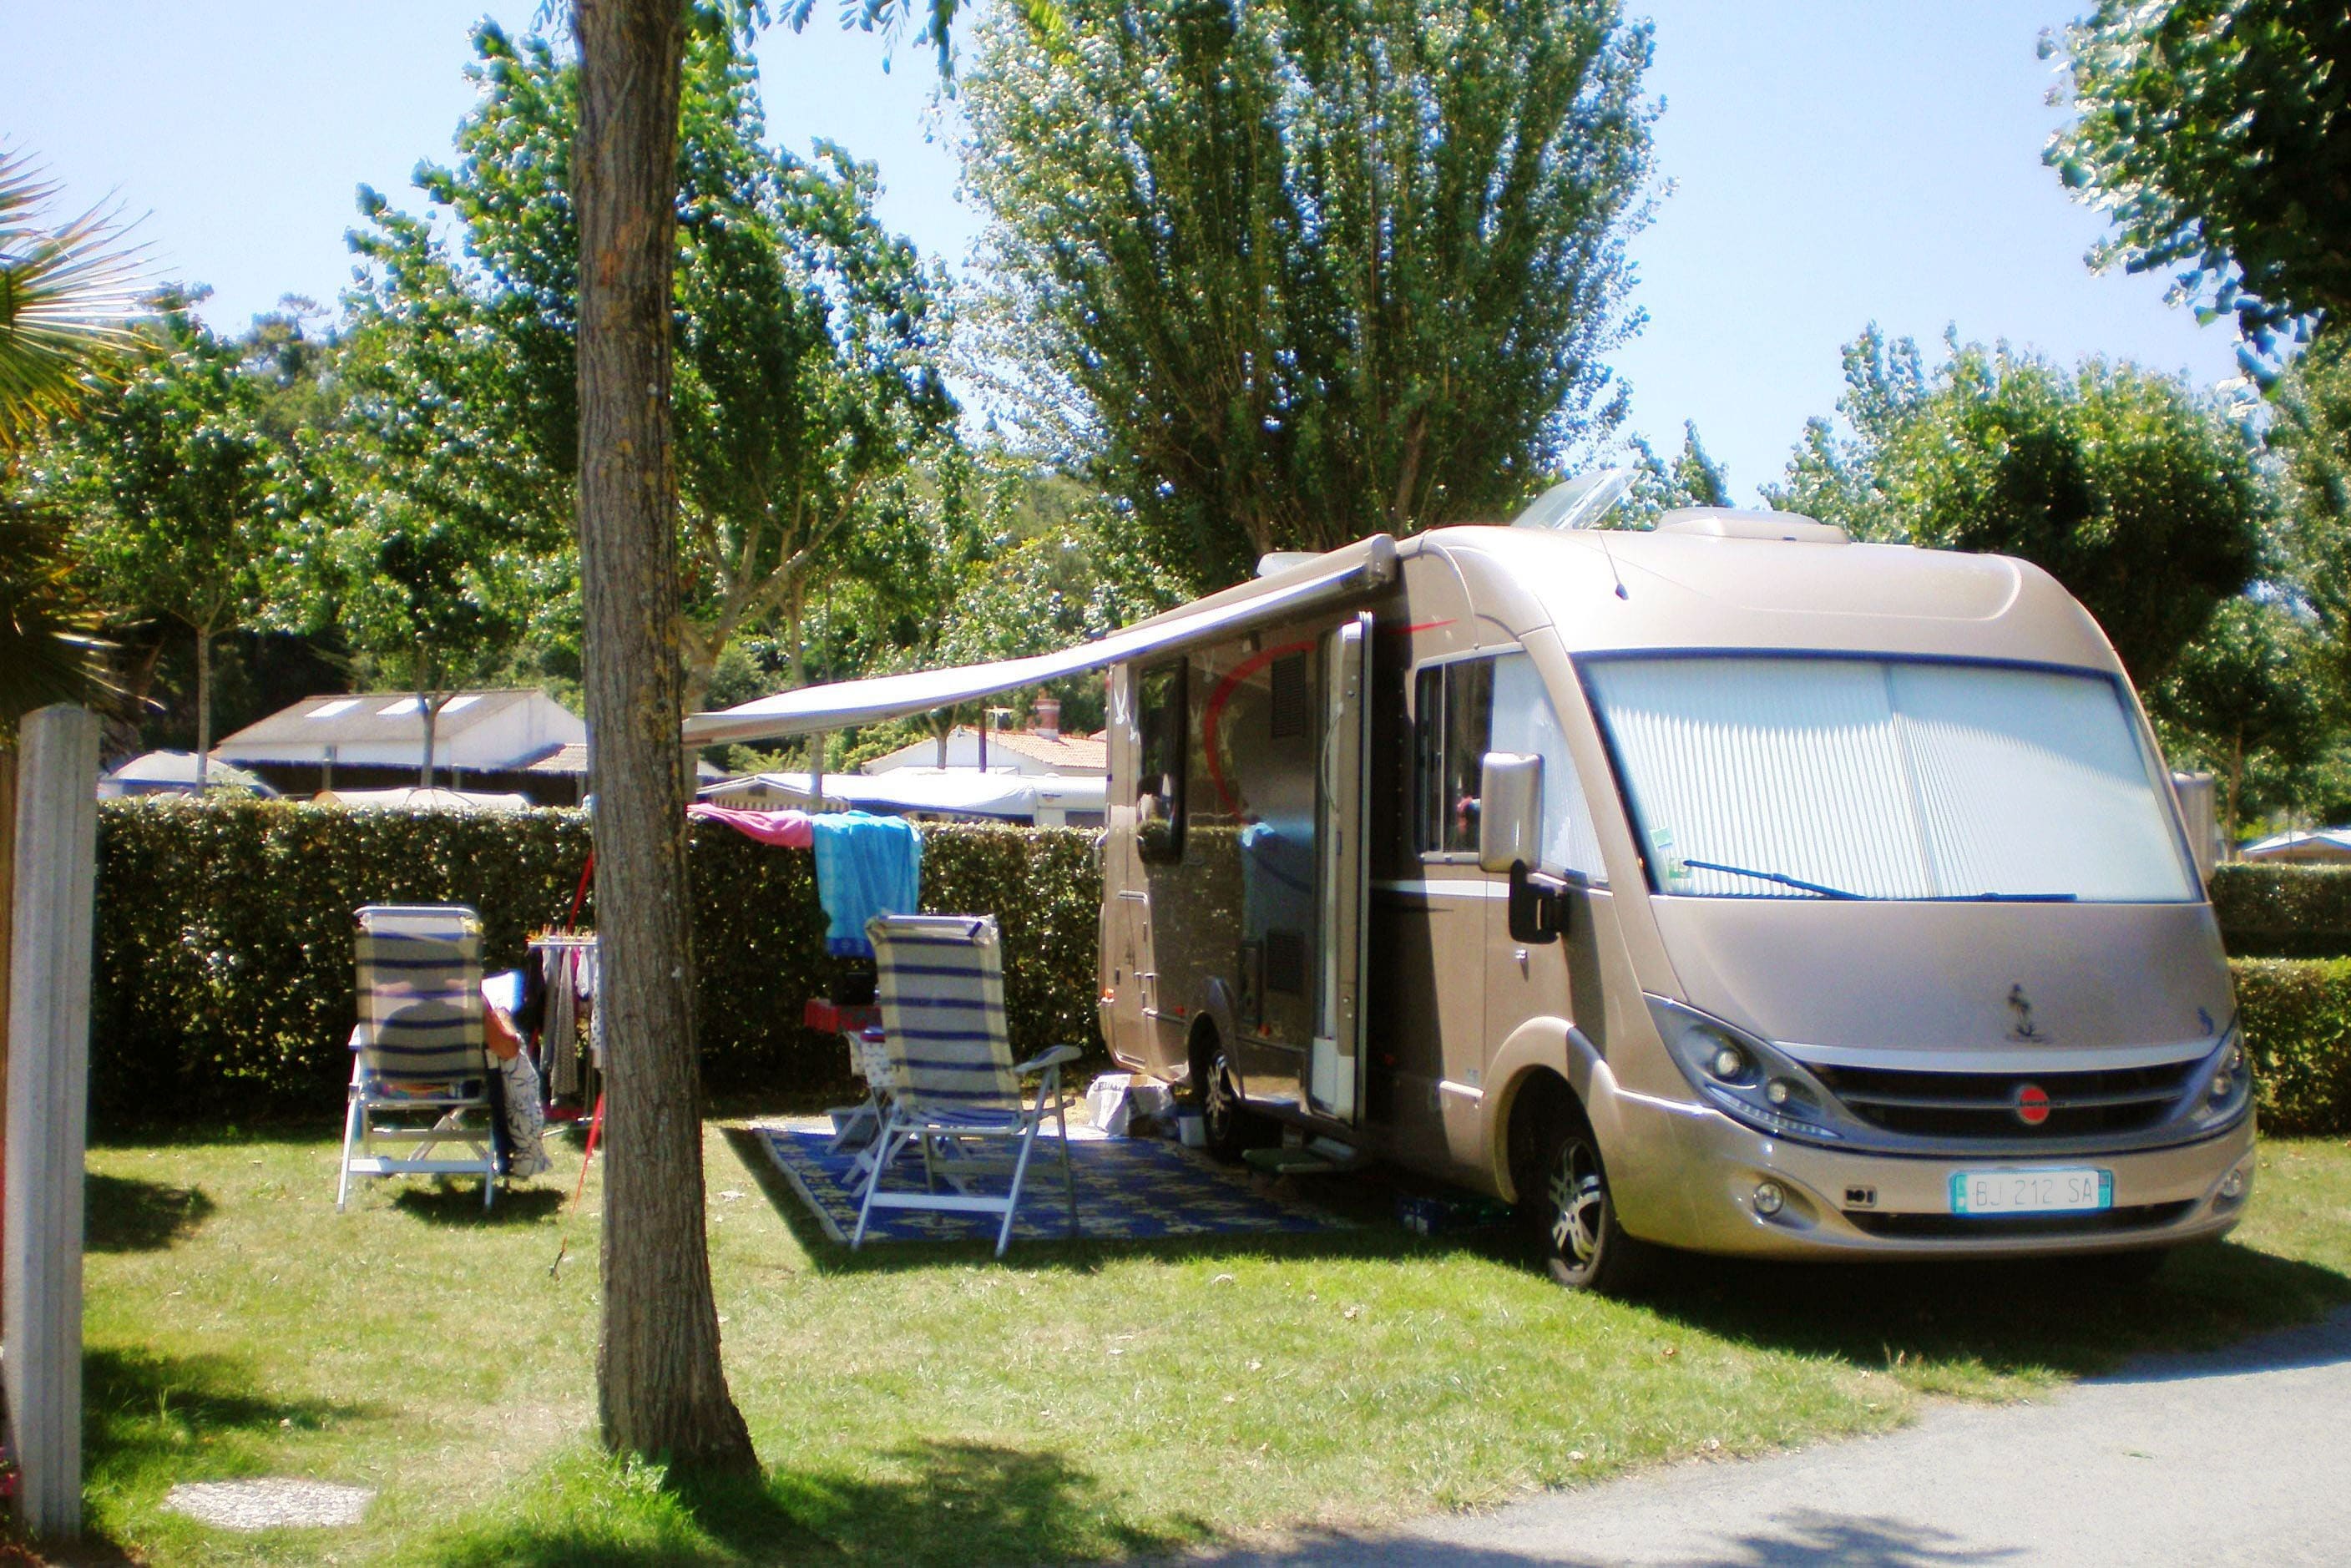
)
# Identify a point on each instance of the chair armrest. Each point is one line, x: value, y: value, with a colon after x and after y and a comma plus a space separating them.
x: 1052, y: 1056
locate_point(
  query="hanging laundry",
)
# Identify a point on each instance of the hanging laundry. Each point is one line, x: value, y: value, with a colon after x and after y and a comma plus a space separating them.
x: 865, y: 865
x: 792, y: 829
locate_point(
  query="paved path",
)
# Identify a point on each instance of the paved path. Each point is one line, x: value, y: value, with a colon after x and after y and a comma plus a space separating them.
x: 2238, y: 1457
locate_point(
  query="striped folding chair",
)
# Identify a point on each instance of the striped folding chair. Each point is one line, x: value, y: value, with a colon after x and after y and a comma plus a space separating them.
x: 419, y: 1063
x: 957, y: 1088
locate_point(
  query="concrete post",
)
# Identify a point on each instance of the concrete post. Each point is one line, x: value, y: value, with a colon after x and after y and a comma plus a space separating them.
x: 48, y: 1091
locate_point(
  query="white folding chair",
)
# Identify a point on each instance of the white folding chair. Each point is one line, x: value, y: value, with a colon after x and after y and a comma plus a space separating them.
x: 420, y: 1063
x: 956, y: 1088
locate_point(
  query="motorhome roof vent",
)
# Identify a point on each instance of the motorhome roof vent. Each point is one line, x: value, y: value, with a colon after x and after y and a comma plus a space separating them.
x: 1728, y: 523
x: 1281, y: 561
x: 1577, y: 503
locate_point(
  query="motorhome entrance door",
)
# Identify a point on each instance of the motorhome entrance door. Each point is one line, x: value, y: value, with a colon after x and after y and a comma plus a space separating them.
x: 1335, y: 1064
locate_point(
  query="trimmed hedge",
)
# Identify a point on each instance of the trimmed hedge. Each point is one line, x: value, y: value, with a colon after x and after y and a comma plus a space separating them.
x: 2283, y: 911
x: 2296, y: 1019
x: 224, y: 985
x: 224, y: 979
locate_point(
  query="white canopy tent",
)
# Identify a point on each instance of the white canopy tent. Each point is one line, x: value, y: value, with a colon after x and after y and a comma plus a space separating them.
x: 167, y: 772
x: 1342, y: 574
x: 416, y: 798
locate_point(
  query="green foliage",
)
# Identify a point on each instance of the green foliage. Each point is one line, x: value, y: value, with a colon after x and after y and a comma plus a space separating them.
x: 66, y: 291
x: 1692, y: 479
x: 49, y: 652
x: 224, y: 983
x: 995, y: 560
x: 2296, y: 1018
x: 2216, y: 135
x: 2283, y: 910
x: 1281, y: 275
x: 2310, y: 434
x: 2132, y: 490
x: 2243, y: 704
x: 806, y: 339
x: 183, y: 497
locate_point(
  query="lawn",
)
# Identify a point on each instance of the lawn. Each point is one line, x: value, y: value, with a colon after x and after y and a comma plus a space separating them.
x: 917, y: 1405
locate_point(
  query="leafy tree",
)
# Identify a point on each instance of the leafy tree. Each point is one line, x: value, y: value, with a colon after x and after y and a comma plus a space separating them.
x: 2216, y: 134
x: 1279, y: 275
x: 431, y: 601
x: 1834, y: 474
x: 2241, y: 702
x: 183, y: 496
x: 1692, y: 479
x: 2137, y: 494
x: 805, y: 333
x: 2310, y: 434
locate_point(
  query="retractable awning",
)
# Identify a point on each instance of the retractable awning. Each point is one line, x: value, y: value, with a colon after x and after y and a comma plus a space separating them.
x: 1350, y: 572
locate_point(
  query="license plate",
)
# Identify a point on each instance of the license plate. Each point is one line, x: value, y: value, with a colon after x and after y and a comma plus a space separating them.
x: 2031, y: 1192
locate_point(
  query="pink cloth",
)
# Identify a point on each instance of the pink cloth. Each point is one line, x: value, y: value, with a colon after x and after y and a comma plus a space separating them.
x: 789, y: 829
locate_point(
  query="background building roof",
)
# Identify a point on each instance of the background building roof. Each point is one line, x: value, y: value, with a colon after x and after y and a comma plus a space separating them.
x: 503, y: 728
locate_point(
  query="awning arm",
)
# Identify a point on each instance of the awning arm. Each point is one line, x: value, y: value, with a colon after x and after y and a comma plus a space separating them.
x: 1351, y: 572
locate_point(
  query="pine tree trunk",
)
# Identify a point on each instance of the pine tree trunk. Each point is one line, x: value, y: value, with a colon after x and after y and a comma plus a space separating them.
x: 203, y: 705
x: 661, y: 1387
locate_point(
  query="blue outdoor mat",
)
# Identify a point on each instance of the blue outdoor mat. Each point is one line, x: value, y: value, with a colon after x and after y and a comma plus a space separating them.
x: 1128, y: 1190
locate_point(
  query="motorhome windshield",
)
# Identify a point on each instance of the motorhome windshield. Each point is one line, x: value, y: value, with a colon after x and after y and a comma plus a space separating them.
x: 1824, y: 776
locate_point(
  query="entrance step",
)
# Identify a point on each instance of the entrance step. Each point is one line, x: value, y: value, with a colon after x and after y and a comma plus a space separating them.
x: 1318, y: 1157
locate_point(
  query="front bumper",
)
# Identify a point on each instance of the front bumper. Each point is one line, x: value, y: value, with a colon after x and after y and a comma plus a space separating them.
x: 1846, y: 1204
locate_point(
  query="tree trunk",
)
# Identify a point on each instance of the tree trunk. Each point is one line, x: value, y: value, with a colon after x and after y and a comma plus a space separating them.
x: 2229, y: 806
x: 203, y: 705
x: 661, y: 1387
x: 429, y: 711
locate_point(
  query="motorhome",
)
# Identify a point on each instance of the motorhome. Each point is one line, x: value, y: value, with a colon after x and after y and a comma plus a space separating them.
x: 1725, y: 885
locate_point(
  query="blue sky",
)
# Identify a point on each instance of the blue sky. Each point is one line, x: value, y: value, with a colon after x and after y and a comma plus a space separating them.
x: 1834, y: 162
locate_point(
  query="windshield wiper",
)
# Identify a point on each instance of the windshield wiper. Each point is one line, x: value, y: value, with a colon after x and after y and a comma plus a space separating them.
x: 1780, y: 877
x: 2009, y: 898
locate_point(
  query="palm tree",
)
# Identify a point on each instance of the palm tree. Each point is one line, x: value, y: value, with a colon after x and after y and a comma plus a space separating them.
x: 67, y: 297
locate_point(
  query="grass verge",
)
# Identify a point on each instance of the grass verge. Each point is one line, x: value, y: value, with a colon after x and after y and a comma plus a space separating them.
x: 1072, y: 1403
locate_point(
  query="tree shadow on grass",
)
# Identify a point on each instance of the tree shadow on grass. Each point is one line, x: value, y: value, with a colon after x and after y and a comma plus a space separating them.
x: 2025, y: 1317
x: 932, y: 1502
x: 150, y: 1420
x: 459, y: 1205
x: 123, y: 1214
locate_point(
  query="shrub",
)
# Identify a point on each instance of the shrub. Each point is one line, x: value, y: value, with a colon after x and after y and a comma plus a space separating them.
x: 2296, y: 1019
x: 224, y: 983
x: 2283, y: 911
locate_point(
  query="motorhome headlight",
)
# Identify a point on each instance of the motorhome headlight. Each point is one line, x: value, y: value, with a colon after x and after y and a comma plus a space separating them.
x: 1745, y: 1078
x: 2224, y: 1083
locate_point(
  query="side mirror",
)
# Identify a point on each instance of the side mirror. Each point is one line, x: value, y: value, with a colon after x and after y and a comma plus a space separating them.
x: 1509, y: 814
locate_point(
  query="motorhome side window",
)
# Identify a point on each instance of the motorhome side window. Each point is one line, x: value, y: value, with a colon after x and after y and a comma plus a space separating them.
x: 1161, y: 713
x: 1452, y: 710
x: 1526, y: 723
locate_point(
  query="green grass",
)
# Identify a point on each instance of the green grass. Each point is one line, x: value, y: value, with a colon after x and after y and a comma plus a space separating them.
x: 919, y: 1405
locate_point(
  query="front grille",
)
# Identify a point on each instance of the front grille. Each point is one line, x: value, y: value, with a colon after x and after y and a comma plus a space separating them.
x: 1965, y: 1106
x: 1939, y: 1227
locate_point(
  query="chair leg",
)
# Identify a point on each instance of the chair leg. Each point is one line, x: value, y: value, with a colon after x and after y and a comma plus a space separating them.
x: 1012, y: 1198
x: 889, y: 1143
x: 351, y: 1118
x: 1069, y: 1171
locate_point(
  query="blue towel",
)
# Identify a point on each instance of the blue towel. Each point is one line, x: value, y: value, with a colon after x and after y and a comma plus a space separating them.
x: 865, y: 865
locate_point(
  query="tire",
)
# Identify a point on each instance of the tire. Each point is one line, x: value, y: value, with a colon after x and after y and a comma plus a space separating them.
x: 1583, y: 1246
x: 1230, y: 1129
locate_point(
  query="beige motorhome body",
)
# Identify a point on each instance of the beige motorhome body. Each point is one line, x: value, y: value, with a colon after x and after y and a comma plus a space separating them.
x: 1295, y: 894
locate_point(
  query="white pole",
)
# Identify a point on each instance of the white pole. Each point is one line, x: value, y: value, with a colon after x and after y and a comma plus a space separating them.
x: 48, y: 1088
